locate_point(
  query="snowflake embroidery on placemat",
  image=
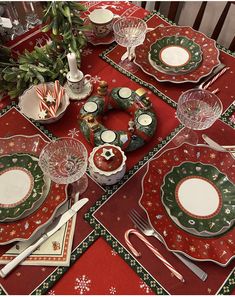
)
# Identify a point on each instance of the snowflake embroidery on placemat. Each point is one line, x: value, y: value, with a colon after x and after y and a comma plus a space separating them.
x: 87, y: 52
x: 73, y: 132
x: 82, y: 284
x: 144, y: 287
x: 51, y: 292
x: 96, y: 78
x: 112, y: 290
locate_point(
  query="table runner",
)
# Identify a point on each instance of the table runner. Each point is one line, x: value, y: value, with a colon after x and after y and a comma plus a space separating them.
x: 165, y: 133
x: 169, y: 93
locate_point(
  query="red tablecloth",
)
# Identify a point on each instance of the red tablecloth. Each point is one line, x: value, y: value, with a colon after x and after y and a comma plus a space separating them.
x: 97, y: 267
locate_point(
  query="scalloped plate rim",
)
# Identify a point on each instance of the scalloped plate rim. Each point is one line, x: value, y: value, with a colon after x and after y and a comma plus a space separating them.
x: 185, y: 81
x: 43, y: 226
x: 162, y: 238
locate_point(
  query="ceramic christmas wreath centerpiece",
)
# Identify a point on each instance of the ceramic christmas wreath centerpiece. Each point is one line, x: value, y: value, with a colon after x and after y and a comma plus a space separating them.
x: 142, y: 124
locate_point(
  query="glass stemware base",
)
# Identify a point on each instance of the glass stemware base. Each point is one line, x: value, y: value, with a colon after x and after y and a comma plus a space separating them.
x: 128, y: 65
x: 186, y: 135
x: 129, y: 32
x: 81, y: 184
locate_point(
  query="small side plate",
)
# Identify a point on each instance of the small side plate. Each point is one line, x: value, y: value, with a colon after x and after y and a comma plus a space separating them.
x: 176, y: 54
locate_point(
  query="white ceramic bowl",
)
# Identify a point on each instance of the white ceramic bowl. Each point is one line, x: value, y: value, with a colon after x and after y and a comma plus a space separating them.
x: 29, y: 105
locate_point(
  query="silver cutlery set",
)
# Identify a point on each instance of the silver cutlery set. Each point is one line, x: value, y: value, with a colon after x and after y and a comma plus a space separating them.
x: 50, y: 230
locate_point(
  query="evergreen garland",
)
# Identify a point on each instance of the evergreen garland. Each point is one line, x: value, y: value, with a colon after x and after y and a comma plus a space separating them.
x: 49, y: 62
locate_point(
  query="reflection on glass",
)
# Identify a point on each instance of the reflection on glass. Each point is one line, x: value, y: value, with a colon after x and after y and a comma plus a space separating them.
x: 12, y: 13
x: 129, y: 32
x: 197, y: 109
x: 32, y: 19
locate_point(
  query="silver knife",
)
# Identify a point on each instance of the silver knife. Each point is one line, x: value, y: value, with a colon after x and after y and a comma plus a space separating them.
x: 213, y: 144
x: 55, y: 226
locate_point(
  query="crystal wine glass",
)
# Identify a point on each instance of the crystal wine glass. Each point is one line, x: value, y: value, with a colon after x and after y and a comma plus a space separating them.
x: 197, y: 109
x: 65, y: 161
x: 129, y: 32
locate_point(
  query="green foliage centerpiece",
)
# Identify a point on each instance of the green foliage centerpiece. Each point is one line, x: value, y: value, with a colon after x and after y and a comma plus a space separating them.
x: 47, y: 63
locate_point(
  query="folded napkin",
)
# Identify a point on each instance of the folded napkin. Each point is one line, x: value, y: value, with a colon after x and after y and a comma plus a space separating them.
x: 56, y: 251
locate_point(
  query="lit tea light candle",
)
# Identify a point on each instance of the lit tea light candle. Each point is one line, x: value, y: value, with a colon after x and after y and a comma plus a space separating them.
x: 108, y: 136
x: 90, y: 107
x: 73, y: 65
x: 125, y: 93
x: 144, y: 119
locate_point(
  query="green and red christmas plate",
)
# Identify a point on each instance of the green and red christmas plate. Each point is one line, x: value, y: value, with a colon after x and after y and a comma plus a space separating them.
x: 21, y: 185
x: 177, y: 54
x: 30, y: 194
x: 188, y: 194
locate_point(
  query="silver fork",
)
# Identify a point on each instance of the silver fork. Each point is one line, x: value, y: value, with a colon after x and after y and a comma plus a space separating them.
x: 143, y: 225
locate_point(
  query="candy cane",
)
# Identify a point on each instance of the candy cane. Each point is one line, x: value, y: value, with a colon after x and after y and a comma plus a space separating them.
x: 59, y: 98
x: 40, y: 105
x: 216, y: 77
x: 153, y: 249
x: 52, y: 110
x: 40, y: 93
x: 56, y: 89
x: 43, y: 104
x: 44, y: 90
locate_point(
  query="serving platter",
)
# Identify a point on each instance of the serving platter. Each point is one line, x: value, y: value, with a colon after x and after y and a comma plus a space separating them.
x: 21, y: 185
x: 53, y: 197
x: 210, y: 54
x: 175, y: 54
x: 220, y: 248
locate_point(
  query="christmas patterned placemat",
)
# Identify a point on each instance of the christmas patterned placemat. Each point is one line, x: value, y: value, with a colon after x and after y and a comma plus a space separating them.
x: 168, y: 91
x: 18, y: 281
x: 121, y: 199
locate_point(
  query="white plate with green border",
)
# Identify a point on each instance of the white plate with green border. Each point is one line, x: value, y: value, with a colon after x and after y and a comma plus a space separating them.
x: 175, y: 54
x: 21, y: 186
x: 199, y: 198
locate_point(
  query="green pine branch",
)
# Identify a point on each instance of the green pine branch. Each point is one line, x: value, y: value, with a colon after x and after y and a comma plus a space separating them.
x: 49, y: 62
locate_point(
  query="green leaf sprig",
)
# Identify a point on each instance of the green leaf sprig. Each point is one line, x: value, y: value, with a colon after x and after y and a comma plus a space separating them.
x: 49, y: 62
